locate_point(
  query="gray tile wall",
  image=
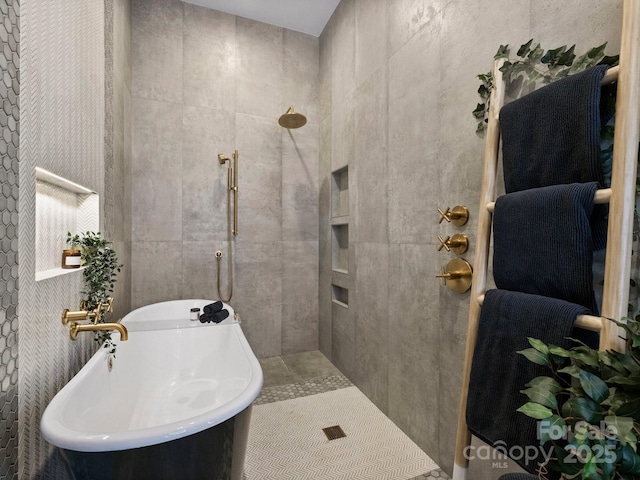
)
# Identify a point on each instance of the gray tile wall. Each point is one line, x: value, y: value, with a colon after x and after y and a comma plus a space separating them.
x: 117, y: 155
x: 9, y: 188
x: 397, y: 85
x: 206, y: 82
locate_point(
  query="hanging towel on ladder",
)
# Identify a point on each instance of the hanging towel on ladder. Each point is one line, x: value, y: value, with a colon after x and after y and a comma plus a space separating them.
x: 498, y: 373
x: 543, y: 243
x: 552, y: 136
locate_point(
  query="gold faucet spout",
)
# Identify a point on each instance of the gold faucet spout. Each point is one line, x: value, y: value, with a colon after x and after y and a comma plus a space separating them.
x: 75, y: 328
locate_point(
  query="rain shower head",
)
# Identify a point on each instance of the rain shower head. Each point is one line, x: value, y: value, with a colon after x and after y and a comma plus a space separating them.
x: 290, y: 119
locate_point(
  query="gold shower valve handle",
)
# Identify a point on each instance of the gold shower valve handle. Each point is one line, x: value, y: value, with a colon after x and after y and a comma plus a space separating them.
x: 444, y: 243
x: 457, y: 275
x: 458, y: 215
x: 459, y: 243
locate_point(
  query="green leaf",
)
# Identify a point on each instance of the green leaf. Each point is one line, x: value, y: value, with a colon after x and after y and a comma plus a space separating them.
x: 524, y: 49
x: 506, y: 68
x: 503, y: 52
x: 535, y: 410
x: 552, y: 56
x: 619, y: 427
x: 610, y: 60
x: 559, y: 351
x: 629, y: 408
x: 572, y: 370
x: 538, y: 345
x: 597, y: 52
x: 535, y: 54
x: 549, y: 383
x: 632, y: 383
x: 535, y: 356
x: 594, y: 386
x: 480, y: 111
x: 568, y: 466
x: 567, y: 57
x: 590, y: 469
x: 542, y: 396
x: 551, y: 428
x: 582, y: 407
x: 630, y: 461
x: 587, y: 358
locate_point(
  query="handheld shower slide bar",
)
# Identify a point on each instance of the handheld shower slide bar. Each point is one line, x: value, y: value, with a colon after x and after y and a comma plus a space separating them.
x: 232, y: 186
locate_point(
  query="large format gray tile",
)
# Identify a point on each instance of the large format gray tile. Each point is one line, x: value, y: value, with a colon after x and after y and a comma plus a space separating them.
x: 156, y: 272
x: 209, y: 67
x: 414, y: 343
x: 371, y: 169
x: 324, y: 239
x: 300, y: 183
x: 463, y: 58
x: 300, y: 74
x: 414, y: 137
x: 206, y: 133
x: 308, y: 365
x: 259, y: 143
x: 325, y: 74
x: 258, y: 68
x: 156, y: 43
x: 258, y: 295
x: 299, y: 281
x: 343, y: 338
x: 372, y: 26
x: 199, y: 270
x: 343, y: 51
x: 156, y: 171
x: 343, y: 132
x: 453, y: 311
x: 407, y: 17
x: 275, y: 372
x: 372, y: 322
x: 602, y: 24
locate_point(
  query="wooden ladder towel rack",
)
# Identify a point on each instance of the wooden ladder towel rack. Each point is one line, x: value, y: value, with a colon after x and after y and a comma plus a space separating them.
x: 621, y: 197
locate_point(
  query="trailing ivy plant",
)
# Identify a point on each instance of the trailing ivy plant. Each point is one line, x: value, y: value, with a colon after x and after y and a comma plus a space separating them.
x: 534, y: 65
x: 588, y: 407
x: 100, y: 270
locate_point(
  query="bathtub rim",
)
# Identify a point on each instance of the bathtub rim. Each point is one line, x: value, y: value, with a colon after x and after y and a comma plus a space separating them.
x: 55, y: 432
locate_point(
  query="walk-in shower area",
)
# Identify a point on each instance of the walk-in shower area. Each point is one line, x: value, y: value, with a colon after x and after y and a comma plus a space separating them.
x: 322, y: 184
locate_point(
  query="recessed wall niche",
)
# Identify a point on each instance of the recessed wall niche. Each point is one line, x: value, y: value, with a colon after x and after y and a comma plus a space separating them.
x: 61, y: 206
x: 340, y: 194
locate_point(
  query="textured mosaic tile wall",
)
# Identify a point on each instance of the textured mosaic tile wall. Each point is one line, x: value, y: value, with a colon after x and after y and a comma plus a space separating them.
x: 9, y: 143
x: 62, y: 130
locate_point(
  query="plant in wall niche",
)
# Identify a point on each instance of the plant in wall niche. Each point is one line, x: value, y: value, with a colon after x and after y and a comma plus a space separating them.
x: 100, y: 269
x: 535, y: 65
x: 589, y: 408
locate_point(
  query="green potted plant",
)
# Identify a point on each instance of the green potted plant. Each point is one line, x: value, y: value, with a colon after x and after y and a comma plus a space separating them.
x: 101, y: 267
x: 588, y: 408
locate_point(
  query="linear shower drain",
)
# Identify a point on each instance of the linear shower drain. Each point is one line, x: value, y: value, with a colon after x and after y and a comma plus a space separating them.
x: 335, y: 432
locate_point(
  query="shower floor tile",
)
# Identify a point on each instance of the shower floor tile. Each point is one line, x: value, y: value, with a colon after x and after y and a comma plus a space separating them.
x: 286, y: 441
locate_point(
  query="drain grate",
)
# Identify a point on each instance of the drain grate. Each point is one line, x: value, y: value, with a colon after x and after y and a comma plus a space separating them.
x: 335, y: 432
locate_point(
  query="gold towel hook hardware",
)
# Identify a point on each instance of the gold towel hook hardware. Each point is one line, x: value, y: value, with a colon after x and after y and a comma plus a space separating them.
x: 458, y: 215
x: 457, y: 275
x: 459, y: 243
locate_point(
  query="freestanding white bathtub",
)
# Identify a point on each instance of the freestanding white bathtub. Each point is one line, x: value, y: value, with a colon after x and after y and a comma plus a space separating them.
x: 176, y: 403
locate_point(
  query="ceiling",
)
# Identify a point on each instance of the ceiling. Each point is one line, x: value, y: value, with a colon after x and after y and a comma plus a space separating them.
x: 307, y: 16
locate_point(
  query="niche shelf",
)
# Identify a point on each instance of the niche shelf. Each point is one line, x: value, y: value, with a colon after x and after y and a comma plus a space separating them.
x: 340, y: 220
x: 340, y: 194
x: 340, y: 248
x: 340, y: 296
x: 61, y: 206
